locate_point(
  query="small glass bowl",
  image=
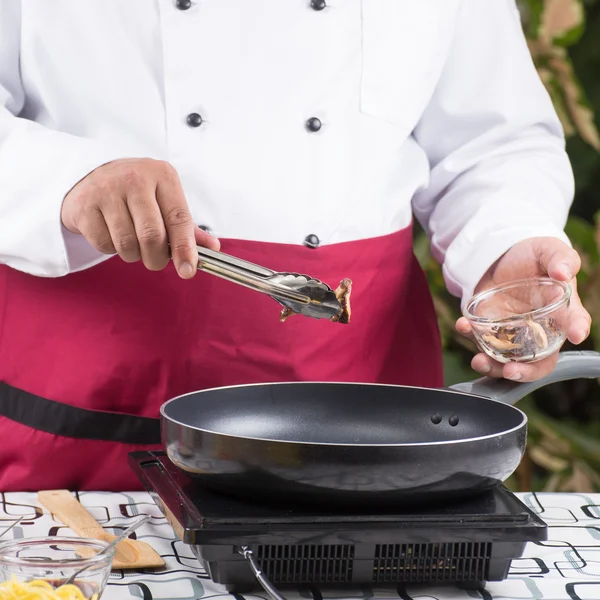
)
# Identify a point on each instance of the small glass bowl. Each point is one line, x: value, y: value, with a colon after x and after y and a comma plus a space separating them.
x: 521, y: 321
x: 55, y: 559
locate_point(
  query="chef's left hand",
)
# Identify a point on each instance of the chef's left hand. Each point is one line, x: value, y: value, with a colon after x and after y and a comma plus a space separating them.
x: 534, y: 257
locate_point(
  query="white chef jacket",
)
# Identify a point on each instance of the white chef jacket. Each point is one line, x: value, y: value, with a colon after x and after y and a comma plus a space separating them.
x: 426, y: 107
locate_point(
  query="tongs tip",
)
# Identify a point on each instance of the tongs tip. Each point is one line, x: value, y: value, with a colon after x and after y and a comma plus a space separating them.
x: 335, y: 306
x: 298, y: 294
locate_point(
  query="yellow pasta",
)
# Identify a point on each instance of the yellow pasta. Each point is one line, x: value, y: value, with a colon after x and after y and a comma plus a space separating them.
x: 39, y: 589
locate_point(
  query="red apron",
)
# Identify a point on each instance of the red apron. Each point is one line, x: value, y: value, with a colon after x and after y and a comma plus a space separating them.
x: 86, y: 360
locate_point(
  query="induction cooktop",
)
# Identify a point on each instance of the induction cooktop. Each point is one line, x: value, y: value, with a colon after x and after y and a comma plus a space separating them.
x: 464, y: 543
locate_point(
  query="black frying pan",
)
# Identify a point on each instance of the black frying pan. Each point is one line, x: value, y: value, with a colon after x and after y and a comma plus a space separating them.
x: 356, y: 443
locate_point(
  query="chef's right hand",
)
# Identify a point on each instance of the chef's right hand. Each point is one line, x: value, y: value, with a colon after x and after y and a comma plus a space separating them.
x: 136, y: 208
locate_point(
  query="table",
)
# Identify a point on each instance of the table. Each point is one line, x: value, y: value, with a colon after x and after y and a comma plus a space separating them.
x: 566, y: 567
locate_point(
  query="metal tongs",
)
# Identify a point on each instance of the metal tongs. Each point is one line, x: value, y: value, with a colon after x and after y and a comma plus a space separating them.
x: 300, y: 294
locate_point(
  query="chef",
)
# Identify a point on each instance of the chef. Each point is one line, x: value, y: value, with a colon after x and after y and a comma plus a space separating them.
x: 301, y: 135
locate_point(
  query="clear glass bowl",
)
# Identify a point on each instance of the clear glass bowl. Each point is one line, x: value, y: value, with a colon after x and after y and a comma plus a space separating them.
x: 55, y: 559
x: 521, y: 321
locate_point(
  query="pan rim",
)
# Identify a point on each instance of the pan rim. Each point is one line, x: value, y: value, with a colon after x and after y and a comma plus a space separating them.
x: 506, y: 432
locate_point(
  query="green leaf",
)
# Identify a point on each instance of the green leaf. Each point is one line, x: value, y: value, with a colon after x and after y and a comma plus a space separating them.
x: 456, y: 370
x: 557, y: 95
x: 562, y: 22
x: 585, y: 446
x: 567, y: 91
x: 582, y: 234
x: 531, y: 15
x: 421, y: 249
x: 570, y: 37
x: 586, y: 166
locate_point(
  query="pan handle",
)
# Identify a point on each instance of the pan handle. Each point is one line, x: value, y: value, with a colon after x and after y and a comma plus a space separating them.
x: 570, y: 365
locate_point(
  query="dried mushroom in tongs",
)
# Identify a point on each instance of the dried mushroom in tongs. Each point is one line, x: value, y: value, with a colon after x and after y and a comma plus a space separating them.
x: 298, y: 294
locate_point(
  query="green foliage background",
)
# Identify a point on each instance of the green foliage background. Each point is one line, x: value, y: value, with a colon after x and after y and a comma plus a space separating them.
x: 564, y: 431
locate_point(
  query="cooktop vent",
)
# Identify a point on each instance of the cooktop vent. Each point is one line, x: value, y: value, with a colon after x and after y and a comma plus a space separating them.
x: 424, y: 563
x: 306, y: 563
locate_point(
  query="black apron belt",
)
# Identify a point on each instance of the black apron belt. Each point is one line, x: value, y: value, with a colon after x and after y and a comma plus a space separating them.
x: 74, y: 422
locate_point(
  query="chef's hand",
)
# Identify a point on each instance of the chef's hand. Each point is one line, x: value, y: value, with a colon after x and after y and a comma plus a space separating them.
x: 136, y: 208
x: 534, y: 257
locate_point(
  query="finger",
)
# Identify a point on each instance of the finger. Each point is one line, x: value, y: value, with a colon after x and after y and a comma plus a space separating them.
x: 464, y: 327
x: 530, y: 371
x: 580, y: 320
x: 485, y: 365
x: 94, y: 229
x: 178, y: 223
x: 205, y: 239
x: 121, y: 228
x: 481, y: 362
x: 558, y: 260
x: 149, y: 227
x: 579, y: 327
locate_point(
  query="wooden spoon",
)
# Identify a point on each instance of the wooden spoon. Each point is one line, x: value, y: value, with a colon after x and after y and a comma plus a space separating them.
x: 130, y: 554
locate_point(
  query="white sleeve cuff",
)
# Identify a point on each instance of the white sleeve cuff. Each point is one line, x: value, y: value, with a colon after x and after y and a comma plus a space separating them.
x: 32, y: 190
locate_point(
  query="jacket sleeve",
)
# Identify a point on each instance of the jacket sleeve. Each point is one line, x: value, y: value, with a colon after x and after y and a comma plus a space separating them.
x: 38, y: 167
x: 499, y: 170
